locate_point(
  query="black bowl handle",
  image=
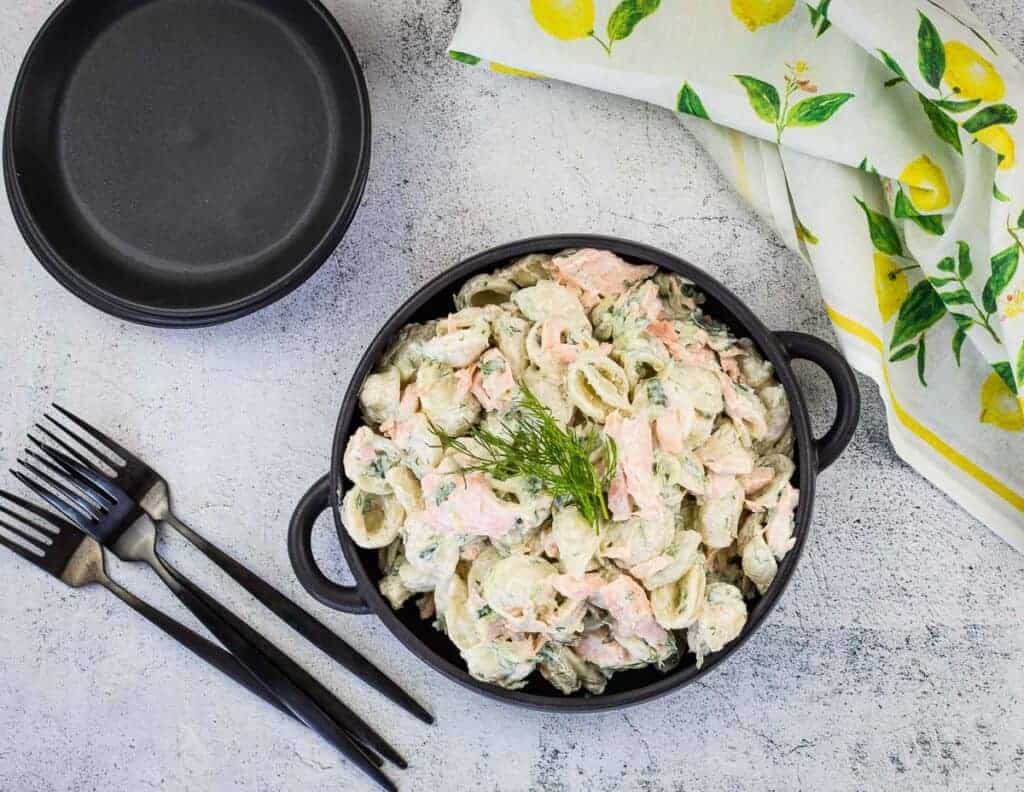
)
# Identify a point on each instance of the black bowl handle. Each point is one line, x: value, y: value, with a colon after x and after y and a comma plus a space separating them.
x: 300, y: 550
x: 844, y: 381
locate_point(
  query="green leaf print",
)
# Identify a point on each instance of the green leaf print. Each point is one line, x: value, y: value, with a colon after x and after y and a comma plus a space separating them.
x: 1020, y: 220
x: 1004, y: 267
x: 819, y: 17
x: 883, y: 233
x: 943, y: 126
x: 762, y: 96
x: 922, y: 308
x: 867, y: 167
x: 921, y: 361
x: 998, y: 194
x: 905, y: 209
x: 463, y: 57
x: 689, y: 102
x: 958, y: 342
x: 959, y: 270
x: 966, y: 266
x: 958, y: 105
x: 957, y: 297
x: 816, y: 110
x: 990, y: 116
x: 627, y: 15
x: 890, y: 61
x: 931, y: 56
x: 1005, y: 372
x: 903, y: 353
x: 1020, y: 364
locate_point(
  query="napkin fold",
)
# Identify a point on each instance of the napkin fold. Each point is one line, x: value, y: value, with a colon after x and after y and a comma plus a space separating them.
x: 879, y: 138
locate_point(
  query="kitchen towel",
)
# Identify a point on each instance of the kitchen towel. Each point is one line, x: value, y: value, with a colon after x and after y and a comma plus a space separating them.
x: 879, y: 138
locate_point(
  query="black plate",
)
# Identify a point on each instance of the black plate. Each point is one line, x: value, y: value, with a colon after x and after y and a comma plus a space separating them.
x: 185, y: 162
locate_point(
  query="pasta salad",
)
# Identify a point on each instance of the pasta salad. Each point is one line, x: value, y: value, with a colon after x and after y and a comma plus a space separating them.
x: 576, y: 472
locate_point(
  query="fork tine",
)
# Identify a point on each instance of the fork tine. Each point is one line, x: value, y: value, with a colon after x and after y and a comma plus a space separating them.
x: 34, y: 541
x: 14, y: 547
x: 21, y: 518
x: 60, y: 505
x: 83, y: 442
x: 96, y: 498
x: 85, y: 475
x: 90, y: 509
x: 118, y: 449
x: 80, y: 457
x: 58, y: 523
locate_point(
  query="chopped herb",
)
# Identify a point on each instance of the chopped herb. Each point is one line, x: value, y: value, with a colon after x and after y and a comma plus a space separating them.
x: 532, y: 443
x: 364, y: 502
x: 428, y: 552
x: 656, y: 393
x: 380, y: 465
x: 712, y: 326
x: 484, y: 612
x: 442, y: 493
x: 493, y: 366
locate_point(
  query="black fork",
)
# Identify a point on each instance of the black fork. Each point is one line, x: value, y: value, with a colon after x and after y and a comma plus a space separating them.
x: 147, y: 488
x: 60, y: 549
x: 98, y: 507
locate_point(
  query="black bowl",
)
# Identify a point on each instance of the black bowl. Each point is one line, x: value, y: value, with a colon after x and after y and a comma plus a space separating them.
x: 627, y: 687
x: 185, y: 162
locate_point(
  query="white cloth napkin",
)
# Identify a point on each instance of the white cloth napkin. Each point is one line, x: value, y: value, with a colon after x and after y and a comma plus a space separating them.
x: 878, y: 137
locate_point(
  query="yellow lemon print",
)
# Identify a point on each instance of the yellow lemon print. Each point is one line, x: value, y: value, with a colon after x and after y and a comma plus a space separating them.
x: 564, y: 19
x: 999, y: 405
x: 928, y: 189
x: 970, y: 75
x: 891, y: 286
x: 501, y: 68
x: 999, y: 140
x: 758, y: 13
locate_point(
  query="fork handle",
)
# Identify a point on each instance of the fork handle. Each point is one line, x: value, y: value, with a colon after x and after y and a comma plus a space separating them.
x: 324, y: 698
x: 315, y: 631
x: 199, y: 646
x: 279, y: 683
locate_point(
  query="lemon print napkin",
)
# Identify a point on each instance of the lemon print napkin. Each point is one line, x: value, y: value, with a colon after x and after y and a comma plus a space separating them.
x: 880, y: 139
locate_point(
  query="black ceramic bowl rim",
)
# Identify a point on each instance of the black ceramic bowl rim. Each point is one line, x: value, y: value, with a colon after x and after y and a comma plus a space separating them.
x: 69, y: 278
x: 766, y: 341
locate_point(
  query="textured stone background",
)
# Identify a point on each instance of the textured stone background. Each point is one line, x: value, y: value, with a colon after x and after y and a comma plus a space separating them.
x: 896, y: 657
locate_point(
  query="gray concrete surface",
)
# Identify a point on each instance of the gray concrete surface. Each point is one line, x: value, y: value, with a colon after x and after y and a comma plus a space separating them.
x: 895, y: 660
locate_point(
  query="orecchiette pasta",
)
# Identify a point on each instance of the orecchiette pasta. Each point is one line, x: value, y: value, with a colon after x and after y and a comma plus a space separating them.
x: 446, y: 397
x: 678, y: 604
x: 721, y: 618
x: 528, y: 270
x: 696, y: 452
x: 406, y: 351
x: 485, y: 289
x: 371, y: 520
x: 759, y: 565
x: 460, y: 339
x: 380, y: 395
x: 510, y: 335
x: 567, y: 671
x: 368, y: 457
x: 596, y: 384
x: 548, y: 300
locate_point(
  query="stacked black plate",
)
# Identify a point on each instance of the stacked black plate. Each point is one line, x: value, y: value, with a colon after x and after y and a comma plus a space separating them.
x: 185, y: 162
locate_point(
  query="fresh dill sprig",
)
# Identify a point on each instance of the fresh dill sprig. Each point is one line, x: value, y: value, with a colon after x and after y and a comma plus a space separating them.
x: 531, y: 443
